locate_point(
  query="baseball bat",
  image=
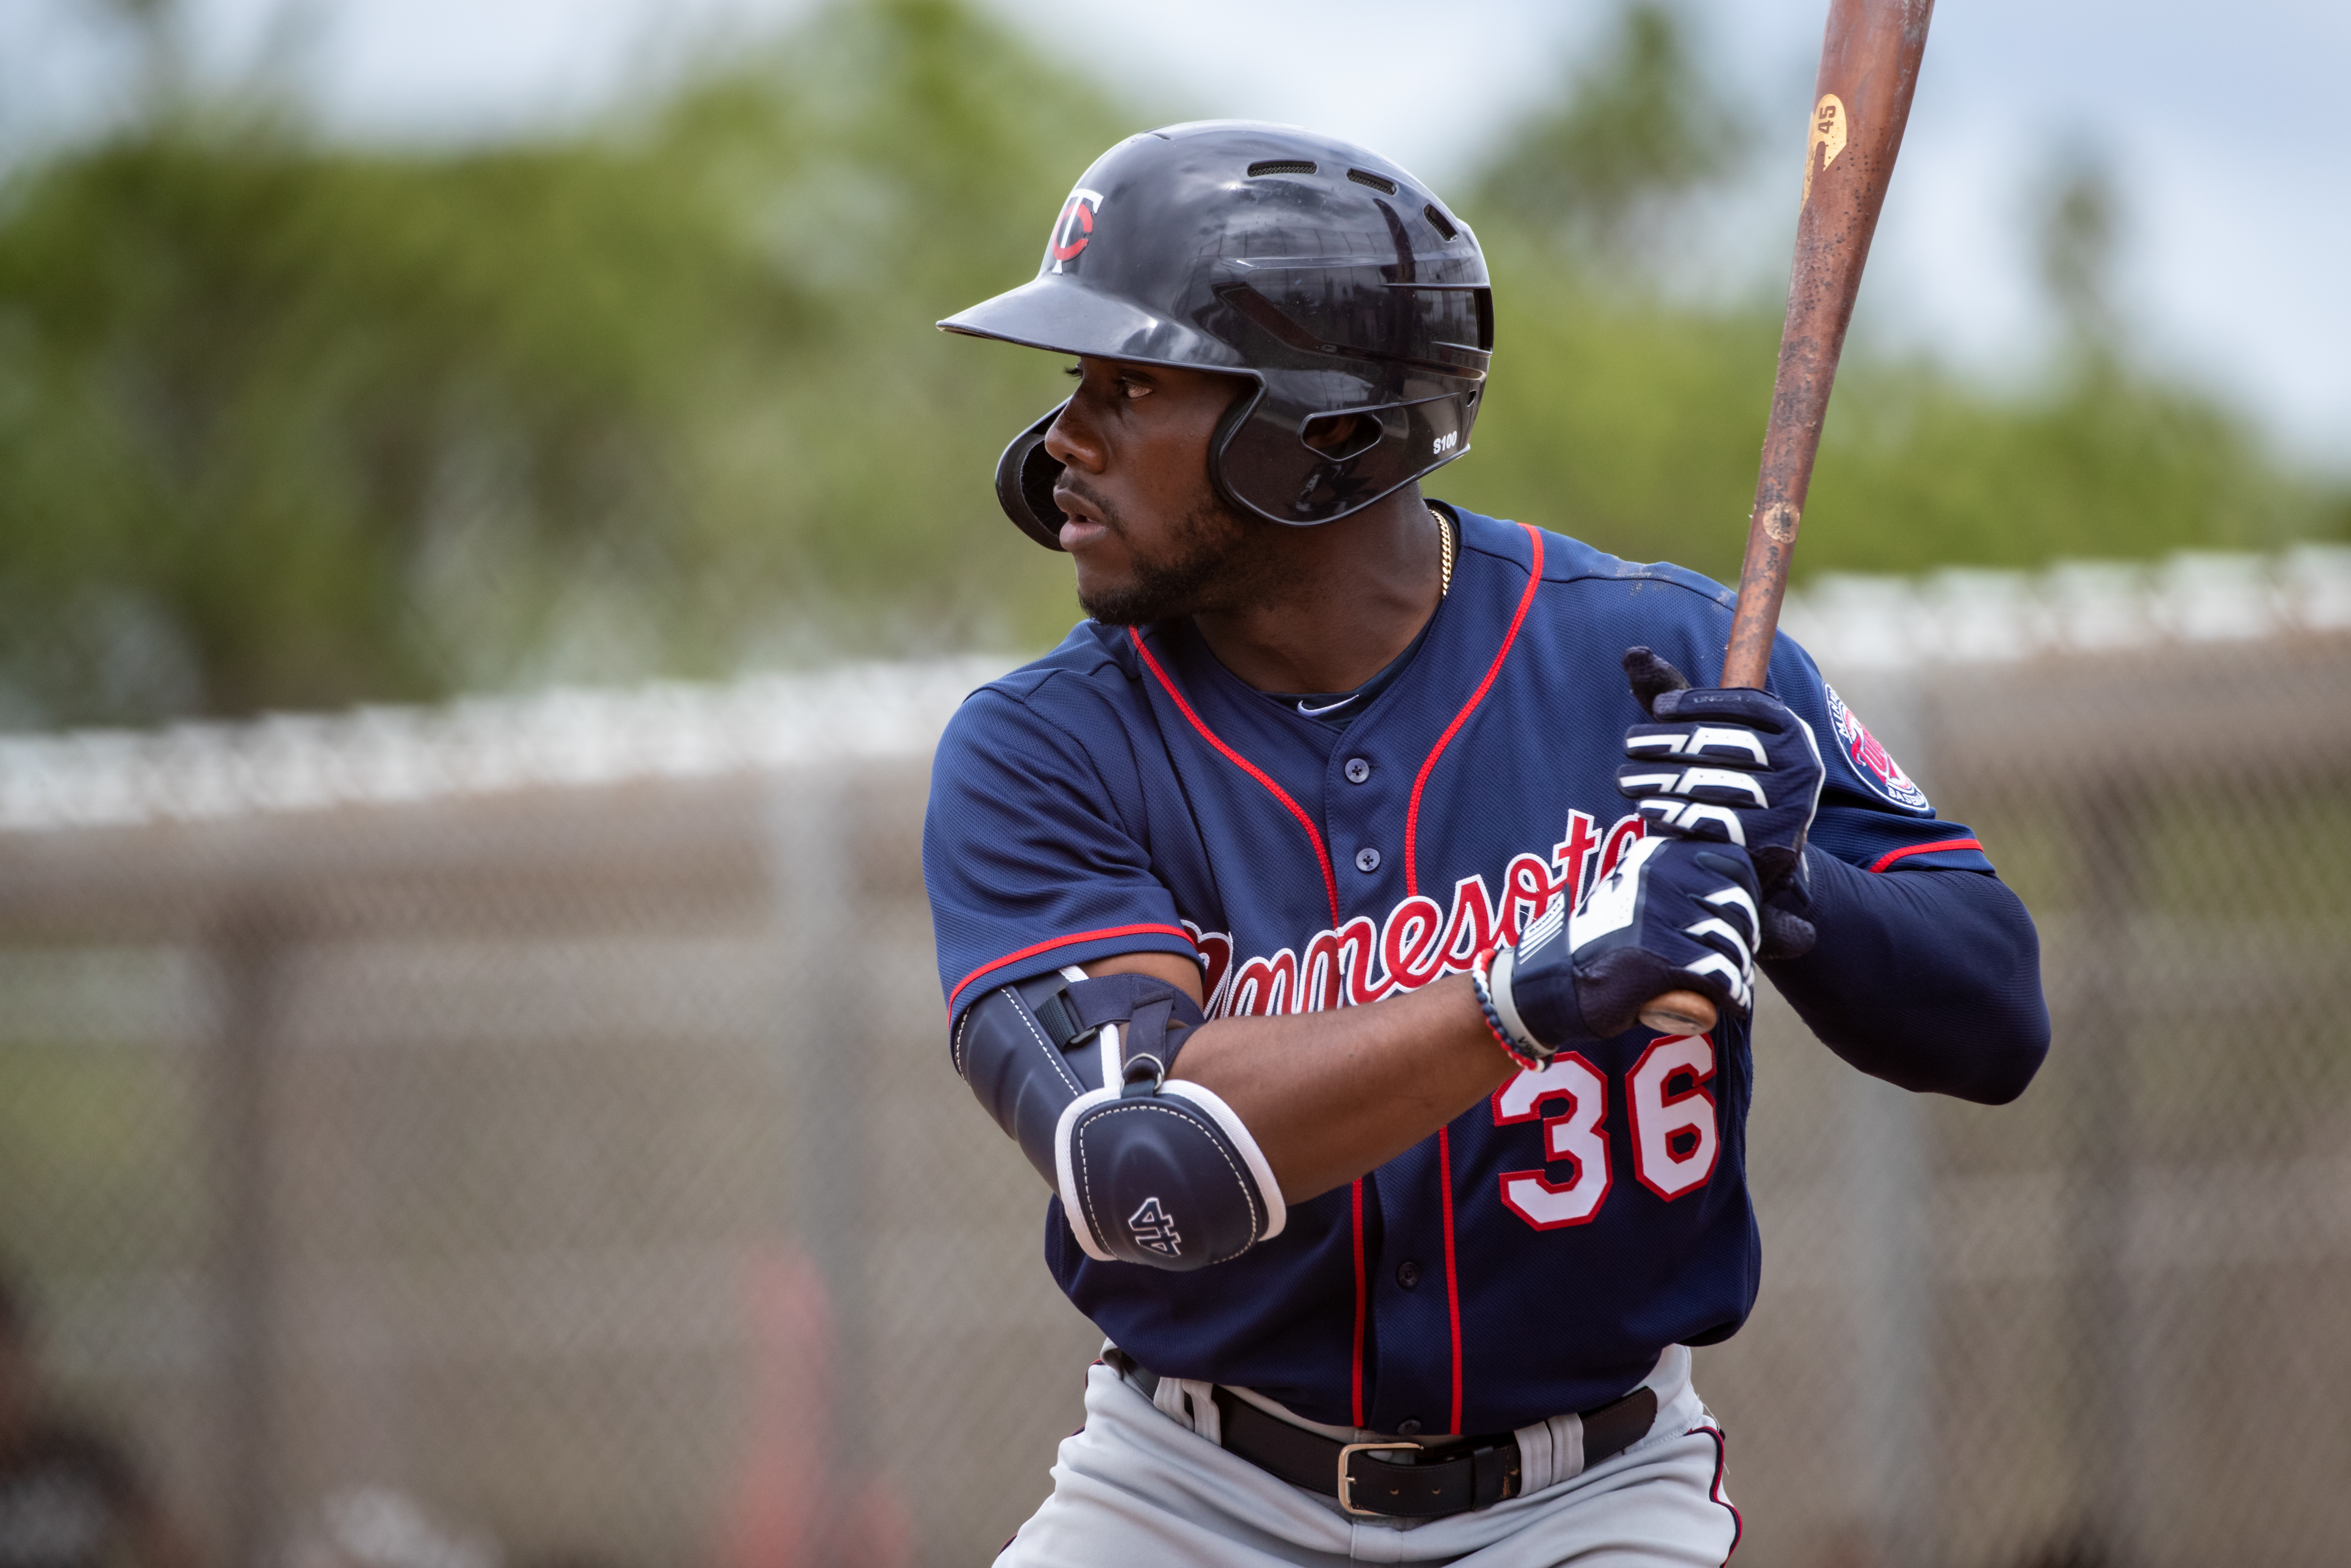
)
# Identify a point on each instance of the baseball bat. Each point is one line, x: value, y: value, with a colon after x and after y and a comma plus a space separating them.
x: 1861, y: 102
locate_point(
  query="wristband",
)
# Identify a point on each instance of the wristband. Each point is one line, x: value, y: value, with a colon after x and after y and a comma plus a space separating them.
x: 1527, y: 1052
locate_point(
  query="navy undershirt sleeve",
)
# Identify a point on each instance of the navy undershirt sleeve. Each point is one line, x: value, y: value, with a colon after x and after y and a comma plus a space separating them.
x: 1929, y: 980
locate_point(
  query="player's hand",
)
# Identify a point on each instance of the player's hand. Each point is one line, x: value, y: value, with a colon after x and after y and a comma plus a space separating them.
x: 1730, y: 764
x: 1674, y: 914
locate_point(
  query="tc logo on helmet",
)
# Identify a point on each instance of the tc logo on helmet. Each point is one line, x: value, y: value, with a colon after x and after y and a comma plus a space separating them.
x: 1074, y: 229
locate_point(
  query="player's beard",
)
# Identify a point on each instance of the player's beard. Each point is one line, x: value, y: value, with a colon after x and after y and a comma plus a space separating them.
x: 1209, y: 562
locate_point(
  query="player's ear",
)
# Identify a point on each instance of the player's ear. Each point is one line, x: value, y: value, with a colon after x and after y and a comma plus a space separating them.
x: 1340, y: 436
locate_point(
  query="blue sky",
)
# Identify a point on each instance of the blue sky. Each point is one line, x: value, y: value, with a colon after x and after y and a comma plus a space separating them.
x: 2229, y: 130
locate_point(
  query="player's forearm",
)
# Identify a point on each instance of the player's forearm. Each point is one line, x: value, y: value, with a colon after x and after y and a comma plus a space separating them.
x: 1330, y: 1095
x: 1929, y: 980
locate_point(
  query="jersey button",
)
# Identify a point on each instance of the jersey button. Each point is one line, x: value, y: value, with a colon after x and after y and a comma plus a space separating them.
x: 1409, y: 1274
x: 1407, y: 1426
x: 1358, y: 771
x: 1367, y: 858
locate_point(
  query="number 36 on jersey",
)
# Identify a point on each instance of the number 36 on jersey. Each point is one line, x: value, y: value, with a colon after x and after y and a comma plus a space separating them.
x: 1674, y: 1140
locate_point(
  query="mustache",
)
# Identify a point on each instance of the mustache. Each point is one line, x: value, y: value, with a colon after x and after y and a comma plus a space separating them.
x: 1094, y: 498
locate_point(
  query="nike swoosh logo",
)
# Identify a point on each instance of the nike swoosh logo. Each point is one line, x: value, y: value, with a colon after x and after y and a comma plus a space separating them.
x: 1326, y: 708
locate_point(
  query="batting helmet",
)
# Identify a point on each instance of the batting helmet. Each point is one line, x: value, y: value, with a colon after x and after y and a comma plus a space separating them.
x: 1323, y: 273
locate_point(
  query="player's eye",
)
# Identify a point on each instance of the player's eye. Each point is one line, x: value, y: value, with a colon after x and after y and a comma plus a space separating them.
x: 1130, y: 386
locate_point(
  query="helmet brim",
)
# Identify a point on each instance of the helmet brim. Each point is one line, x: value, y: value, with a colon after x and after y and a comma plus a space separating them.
x: 1060, y: 314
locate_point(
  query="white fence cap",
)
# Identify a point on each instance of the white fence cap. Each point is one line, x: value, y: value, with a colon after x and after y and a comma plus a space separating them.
x: 481, y: 746
x: 582, y: 738
x: 1966, y: 615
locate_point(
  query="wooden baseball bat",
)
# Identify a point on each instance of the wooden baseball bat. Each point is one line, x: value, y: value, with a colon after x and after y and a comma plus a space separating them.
x: 1861, y: 102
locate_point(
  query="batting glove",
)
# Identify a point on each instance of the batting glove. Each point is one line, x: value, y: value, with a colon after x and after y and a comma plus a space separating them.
x: 1672, y: 914
x: 1733, y: 765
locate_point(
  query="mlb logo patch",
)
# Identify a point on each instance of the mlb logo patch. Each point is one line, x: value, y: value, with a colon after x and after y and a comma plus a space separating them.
x: 1876, y: 768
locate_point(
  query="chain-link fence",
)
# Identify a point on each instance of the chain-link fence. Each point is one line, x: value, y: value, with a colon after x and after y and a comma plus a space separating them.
x: 538, y: 1115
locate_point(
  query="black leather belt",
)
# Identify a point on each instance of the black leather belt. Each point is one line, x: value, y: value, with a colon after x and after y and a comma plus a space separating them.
x: 1401, y: 1479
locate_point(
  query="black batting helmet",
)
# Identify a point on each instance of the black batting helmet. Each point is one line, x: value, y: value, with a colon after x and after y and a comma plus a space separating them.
x: 1334, y: 281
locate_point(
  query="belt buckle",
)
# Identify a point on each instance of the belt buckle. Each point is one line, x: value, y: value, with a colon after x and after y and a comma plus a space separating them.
x: 1347, y: 1481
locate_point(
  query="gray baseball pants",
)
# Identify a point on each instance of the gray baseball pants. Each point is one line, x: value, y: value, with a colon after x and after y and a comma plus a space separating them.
x: 1137, y: 1486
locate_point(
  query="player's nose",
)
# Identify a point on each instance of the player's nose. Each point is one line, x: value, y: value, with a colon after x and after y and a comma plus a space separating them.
x: 1073, y: 441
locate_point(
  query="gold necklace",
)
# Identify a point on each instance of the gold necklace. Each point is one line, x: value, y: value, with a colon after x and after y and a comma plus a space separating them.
x: 1445, y: 544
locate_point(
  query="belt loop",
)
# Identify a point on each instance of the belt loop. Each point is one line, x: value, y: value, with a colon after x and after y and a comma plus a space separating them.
x: 1562, y: 1442
x: 1535, y: 1469
x: 1566, y: 1447
x: 1549, y: 1451
x: 1191, y: 1402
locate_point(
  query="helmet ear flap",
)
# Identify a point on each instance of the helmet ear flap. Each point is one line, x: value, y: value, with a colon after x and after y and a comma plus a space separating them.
x: 1220, y: 442
x: 1264, y: 465
x: 1024, y: 482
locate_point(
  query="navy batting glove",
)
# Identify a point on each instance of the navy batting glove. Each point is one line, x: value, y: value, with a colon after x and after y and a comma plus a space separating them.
x: 1672, y: 915
x: 1730, y: 764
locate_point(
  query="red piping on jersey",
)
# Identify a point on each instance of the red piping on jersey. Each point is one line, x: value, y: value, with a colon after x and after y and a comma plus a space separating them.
x: 1357, y: 1406
x: 1452, y: 1281
x: 1330, y: 881
x: 1330, y: 890
x: 1890, y: 856
x: 1034, y: 949
x: 1412, y: 816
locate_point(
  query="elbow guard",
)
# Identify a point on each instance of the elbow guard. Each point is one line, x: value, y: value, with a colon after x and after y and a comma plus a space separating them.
x: 1150, y: 1169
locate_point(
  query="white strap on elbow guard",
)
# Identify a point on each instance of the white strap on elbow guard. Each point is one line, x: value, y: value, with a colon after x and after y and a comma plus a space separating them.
x: 1150, y: 1169
x: 1158, y: 1171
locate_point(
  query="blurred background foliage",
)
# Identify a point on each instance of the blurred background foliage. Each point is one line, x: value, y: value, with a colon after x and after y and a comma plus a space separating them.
x: 288, y: 423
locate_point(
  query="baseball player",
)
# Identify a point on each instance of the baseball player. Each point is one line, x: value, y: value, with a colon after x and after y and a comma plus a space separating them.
x: 1297, y: 914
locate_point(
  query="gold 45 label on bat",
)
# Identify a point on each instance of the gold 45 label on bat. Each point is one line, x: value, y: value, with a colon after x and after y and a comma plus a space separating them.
x: 1827, y: 139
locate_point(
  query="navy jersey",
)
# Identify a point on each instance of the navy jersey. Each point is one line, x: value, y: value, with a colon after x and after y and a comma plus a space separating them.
x: 1127, y: 793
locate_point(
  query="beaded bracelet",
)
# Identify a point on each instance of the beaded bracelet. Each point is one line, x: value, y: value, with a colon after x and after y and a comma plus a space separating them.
x: 1514, y: 1049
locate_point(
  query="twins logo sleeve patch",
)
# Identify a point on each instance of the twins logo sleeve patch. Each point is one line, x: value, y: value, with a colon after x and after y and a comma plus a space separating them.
x: 1876, y: 767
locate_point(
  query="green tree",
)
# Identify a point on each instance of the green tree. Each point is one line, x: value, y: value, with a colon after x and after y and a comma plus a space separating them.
x: 1635, y: 418
x: 285, y: 422
x: 263, y: 392
x: 288, y: 425
x: 1638, y: 132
